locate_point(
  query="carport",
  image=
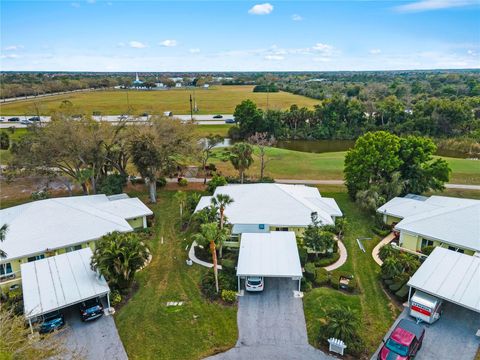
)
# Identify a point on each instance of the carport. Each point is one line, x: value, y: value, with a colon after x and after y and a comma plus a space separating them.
x: 273, y: 254
x: 60, y: 281
x: 451, y: 276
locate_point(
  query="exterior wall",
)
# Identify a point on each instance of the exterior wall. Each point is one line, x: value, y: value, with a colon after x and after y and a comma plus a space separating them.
x: 389, y: 220
x: 410, y: 241
x: 136, y: 223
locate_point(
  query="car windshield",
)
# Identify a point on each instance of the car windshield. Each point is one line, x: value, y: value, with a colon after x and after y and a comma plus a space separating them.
x: 397, y: 348
x: 254, y: 281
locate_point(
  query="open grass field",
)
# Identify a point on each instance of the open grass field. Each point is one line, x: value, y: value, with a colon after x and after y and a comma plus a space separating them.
x: 216, y: 99
x: 288, y: 164
x: 149, y: 329
x: 376, y: 311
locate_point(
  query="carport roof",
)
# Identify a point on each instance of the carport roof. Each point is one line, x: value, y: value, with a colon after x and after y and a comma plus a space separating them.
x: 59, y: 281
x: 273, y: 254
x: 451, y: 276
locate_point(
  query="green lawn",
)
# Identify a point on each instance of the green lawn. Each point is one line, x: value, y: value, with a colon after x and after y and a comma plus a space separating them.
x: 377, y: 312
x: 217, y: 99
x: 150, y: 330
x: 204, y: 130
x: 288, y: 164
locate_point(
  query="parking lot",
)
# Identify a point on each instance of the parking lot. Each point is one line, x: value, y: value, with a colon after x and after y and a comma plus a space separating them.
x: 271, y: 325
x: 94, y: 340
x: 452, y: 337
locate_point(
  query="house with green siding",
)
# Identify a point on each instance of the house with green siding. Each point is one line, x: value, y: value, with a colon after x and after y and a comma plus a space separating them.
x: 50, y: 227
x: 448, y: 222
x: 261, y: 208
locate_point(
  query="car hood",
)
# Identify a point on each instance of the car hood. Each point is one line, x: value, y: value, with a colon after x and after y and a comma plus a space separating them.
x: 386, y: 354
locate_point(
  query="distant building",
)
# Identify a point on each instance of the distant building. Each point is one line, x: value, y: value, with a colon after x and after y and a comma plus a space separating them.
x: 178, y: 85
x: 137, y: 83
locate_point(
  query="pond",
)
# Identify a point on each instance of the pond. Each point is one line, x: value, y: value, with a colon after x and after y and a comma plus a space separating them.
x: 323, y: 146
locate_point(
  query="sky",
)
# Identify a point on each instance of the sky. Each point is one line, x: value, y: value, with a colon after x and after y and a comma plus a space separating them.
x: 115, y: 35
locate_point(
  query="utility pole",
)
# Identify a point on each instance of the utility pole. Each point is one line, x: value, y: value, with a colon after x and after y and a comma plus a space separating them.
x: 191, y: 108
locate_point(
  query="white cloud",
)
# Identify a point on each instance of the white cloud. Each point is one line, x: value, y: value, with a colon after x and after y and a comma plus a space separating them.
x: 427, y: 5
x: 13, y: 47
x: 322, y: 59
x: 168, y: 43
x: 9, y: 56
x: 194, y: 51
x: 296, y: 17
x: 375, y: 51
x: 471, y: 52
x: 261, y: 9
x: 137, y: 44
x: 274, y: 57
x: 323, y: 49
x: 75, y: 4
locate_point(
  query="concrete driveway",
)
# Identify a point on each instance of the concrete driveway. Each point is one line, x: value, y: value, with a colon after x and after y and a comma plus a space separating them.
x: 452, y: 337
x: 94, y: 340
x: 271, y: 325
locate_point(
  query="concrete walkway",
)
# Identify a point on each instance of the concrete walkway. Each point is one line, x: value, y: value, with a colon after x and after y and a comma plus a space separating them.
x: 341, y: 260
x: 191, y: 256
x: 376, y: 250
x: 271, y: 326
x: 332, y: 182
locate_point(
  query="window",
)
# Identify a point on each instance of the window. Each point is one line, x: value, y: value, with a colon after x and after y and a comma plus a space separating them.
x: 426, y: 242
x: 456, y: 249
x: 37, y: 257
x: 73, y: 248
x: 261, y: 226
x: 5, y: 269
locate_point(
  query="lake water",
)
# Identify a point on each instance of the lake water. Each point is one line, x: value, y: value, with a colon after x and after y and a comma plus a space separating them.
x: 323, y: 146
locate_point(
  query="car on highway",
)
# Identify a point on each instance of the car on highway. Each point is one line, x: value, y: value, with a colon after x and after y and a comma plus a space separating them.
x: 14, y: 119
x: 404, y: 342
x: 25, y: 122
x: 34, y: 118
x: 230, y: 121
x: 122, y: 117
x: 218, y: 116
x: 91, y: 309
x: 254, y: 283
x: 51, y: 322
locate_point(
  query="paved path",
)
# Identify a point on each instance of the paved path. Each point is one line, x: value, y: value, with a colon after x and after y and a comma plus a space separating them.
x: 271, y: 325
x: 341, y: 260
x: 387, y: 240
x: 191, y: 255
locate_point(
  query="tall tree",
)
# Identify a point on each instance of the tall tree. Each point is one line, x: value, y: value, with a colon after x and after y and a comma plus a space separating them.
x: 241, y: 158
x: 221, y: 201
x: 3, y: 234
x: 316, y: 238
x: 181, y: 197
x: 249, y: 118
x: 262, y: 141
x: 208, y: 144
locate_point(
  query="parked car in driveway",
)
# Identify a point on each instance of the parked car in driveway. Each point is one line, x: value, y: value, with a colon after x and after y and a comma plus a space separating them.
x: 254, y: 283
x: 91, y: 309
x: 52, y: 321
x: 404, y: 342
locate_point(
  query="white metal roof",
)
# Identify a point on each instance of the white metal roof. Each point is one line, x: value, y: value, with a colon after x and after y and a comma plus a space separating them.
x: 402, y: 207
x: 59, y: 281
x: 273, y: 254
x: 451, y: 276
x: 60, y: 222
x: 275, y: 204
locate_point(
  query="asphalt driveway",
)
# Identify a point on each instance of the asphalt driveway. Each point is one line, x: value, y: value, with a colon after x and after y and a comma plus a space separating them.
x: 271, y: 325
x: 94, y: 340
x: 452, y: 337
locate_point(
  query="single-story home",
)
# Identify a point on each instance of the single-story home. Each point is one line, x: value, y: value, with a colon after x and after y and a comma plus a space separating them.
x: 453, y: 223
x: 45, y: 228
x: 261, y: 208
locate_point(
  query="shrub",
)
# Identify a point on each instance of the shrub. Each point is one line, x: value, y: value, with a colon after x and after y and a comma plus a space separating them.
x: 135, y: 180
x: 427, y: 250
x: 327, y: 260
x: 4, y: 141
x: 302, y: 253
x: 305, y: 285
x: 234, y: 133
x: 229, y: 296
x: 226, y: 281
x: 216, y: 180
x: 387, y: 251
x: 266, y: 179
x: 113, y: 184
x: 39, y: 195
x: 161, y: 182
x: 115, y: 298
x: 228, y: 264
x: 322, y: 277
x: 182, y: 182
x: 310, y: 271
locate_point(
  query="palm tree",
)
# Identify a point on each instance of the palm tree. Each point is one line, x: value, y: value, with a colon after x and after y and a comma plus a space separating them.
x: 221, y: 201
x: 410, y: 263
x: 211, y: 234
x: 3, y: 234
x: 387, y: 251
x: 391, y: 267
x: 342, y: 323
x: 118, y: 256
x: 241, y: 158
x: 181, y: 197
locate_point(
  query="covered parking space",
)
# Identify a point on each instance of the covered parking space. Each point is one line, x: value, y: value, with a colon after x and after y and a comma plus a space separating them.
x: 60, y: 281
x: 270, y: 255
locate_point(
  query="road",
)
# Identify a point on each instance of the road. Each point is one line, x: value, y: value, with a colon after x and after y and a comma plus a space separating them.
x: 20, y: 98
x: 199, y: 119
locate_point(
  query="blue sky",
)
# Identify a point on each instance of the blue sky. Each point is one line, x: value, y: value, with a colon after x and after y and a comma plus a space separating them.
x: 239, y: 35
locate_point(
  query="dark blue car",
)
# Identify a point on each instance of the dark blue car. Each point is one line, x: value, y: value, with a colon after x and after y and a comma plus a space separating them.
x: 51, y: 322
x: 91, y: 309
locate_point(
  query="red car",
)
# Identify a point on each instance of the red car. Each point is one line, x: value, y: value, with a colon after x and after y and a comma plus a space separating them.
x: 404, y: 341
